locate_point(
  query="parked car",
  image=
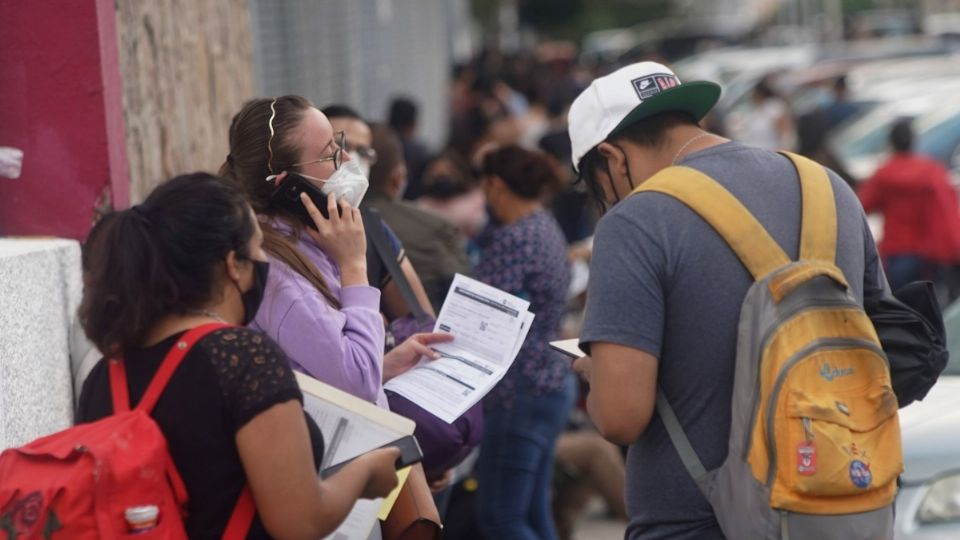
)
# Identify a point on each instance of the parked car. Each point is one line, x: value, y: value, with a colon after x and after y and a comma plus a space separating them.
x: 863, y: 144
x: 928, y: 505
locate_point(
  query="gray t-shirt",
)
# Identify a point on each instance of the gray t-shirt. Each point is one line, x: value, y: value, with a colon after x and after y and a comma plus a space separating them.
x: 664, y: 282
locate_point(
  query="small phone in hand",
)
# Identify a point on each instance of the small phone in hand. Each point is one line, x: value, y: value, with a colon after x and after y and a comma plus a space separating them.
x: 286, y: 196
x: 568, y: 347
x: 410, y: 454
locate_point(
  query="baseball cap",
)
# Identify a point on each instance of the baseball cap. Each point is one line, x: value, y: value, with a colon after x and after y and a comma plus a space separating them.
x: 613, y: 102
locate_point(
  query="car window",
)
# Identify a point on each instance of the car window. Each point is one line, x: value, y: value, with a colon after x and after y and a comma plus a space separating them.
x: 940, y: 140
x: 951, y: 321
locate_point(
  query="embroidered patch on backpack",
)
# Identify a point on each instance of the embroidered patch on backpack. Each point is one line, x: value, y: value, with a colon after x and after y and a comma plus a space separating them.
x: 860, y: 474
x: 807, y: 459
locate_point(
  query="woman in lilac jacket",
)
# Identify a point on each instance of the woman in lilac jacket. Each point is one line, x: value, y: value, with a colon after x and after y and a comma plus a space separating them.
x: 318, y: 304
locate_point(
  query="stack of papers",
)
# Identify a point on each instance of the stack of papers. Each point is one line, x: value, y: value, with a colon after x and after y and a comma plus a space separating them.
x: 351, y: 427
x: 489, y: 327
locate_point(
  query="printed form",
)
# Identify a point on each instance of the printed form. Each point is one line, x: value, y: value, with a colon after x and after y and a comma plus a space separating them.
x: 351, y: 427
x: 489, y: 327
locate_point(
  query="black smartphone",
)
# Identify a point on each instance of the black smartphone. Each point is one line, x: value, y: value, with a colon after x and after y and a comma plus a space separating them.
x: 410, y: 454
x: 568, y: 347
x: 287, y: 197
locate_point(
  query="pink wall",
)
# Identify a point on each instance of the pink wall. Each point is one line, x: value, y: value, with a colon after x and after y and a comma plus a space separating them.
x: 61, y: 103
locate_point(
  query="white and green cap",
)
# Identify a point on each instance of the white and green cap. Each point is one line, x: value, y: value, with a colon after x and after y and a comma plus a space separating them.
x: 613, y: 102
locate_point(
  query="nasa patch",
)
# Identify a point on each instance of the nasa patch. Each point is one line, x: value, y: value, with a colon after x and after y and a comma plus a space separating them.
x: 651, y: 85
x: 860, y: 474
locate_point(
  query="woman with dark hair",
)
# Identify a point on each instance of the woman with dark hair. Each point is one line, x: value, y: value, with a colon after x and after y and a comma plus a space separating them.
x: 450, y: 190
x: 523, y: 252
x: 232, y: 413
x: 318, y: 304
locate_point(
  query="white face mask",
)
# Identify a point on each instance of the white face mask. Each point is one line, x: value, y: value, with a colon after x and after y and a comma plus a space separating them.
x: 364, y: 167
x: 348, y: 182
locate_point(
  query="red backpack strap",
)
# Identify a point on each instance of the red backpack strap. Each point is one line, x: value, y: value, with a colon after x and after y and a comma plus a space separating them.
x: 242, y: 517
x: 118, y: 386
x: 172, y: 361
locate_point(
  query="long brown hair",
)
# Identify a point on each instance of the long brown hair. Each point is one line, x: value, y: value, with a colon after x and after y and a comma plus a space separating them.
x: 256, y: 153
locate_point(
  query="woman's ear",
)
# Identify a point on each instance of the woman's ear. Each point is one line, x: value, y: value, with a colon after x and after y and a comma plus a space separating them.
x: 233, y: 265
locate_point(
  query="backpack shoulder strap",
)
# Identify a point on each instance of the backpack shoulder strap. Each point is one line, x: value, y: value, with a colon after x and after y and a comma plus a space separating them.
x: 691, y: 461
x: 118, y: 386
x: 374, y: 228
x: 242, y: 517
x: 757, y: 250
x: 818, y: 236
x: 118, y: 374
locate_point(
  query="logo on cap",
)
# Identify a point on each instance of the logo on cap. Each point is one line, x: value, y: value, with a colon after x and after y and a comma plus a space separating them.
x: 651, y: 85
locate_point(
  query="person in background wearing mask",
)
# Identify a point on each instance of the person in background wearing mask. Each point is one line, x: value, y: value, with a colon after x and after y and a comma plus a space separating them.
x: 318, y: 304
x: 452, y: 192
x: 232, y: 412
x: 433, y: 245
x: 359, y: 139
x: 523, y: 252
x: 359, y: 144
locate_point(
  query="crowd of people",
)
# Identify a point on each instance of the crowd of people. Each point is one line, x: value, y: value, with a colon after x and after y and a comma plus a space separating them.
x: 311, y: 292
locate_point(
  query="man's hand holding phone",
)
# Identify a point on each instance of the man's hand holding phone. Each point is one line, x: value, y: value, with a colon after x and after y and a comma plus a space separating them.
x: 582, y: 363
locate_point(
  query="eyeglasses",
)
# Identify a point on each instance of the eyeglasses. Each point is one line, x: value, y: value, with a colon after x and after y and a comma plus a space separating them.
x: 337, y: 157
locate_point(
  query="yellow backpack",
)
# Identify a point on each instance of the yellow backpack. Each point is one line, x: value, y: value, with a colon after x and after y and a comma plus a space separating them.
x: 814, y: 448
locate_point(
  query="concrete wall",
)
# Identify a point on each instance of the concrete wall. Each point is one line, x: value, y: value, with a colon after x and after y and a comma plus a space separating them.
x: 39, y: 294
x: 187, y: 68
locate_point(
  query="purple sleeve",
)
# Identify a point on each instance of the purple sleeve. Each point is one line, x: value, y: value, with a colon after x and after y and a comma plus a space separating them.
x: 343, y: 348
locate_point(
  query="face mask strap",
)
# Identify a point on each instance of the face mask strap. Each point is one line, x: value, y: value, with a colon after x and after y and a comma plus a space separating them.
x: 629, y: 176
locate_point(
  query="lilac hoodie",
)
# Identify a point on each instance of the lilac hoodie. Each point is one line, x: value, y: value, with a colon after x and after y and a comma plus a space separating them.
x: 343, y: 348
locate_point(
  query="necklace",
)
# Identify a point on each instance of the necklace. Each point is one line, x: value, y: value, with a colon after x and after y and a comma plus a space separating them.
x: 208, y: 313
x: 687, y: 144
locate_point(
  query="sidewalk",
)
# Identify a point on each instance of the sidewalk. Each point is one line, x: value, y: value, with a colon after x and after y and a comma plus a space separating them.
x: 597, y: 525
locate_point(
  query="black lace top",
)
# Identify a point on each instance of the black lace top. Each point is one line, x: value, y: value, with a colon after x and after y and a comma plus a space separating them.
x: 229, y: 377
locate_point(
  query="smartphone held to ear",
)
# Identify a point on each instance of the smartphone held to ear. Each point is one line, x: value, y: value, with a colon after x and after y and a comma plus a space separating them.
x: 286, y: 196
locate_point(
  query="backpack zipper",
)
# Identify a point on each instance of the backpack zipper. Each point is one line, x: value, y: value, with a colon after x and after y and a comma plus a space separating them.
x: 804, y: 353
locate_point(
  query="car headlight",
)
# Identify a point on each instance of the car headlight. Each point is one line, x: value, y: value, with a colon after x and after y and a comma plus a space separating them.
x: 942, y: 502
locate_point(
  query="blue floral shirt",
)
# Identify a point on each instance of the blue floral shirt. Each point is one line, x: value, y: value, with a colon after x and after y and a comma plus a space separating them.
x: 529, y: 259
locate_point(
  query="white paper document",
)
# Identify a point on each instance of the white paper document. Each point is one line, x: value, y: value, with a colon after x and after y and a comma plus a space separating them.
x: 351, y: 427
x: 489, y: 327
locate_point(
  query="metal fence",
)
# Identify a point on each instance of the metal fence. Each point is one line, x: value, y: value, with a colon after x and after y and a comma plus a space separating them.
x: 361, y: 53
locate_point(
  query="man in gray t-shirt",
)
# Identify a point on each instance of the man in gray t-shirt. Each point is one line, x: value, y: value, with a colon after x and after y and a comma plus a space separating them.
x: 665, y: 290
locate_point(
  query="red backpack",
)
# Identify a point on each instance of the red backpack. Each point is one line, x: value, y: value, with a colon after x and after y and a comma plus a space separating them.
x: 86, y: 482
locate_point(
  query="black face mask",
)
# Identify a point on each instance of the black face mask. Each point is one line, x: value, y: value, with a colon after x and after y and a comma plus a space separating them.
x: 253, y: 297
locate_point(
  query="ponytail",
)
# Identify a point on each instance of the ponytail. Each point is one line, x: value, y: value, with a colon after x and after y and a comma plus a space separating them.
x: 122, y: 265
